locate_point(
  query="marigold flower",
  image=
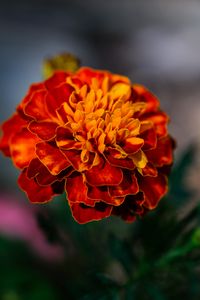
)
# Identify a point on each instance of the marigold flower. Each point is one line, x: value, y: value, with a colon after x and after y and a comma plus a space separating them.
x: 95, y: 135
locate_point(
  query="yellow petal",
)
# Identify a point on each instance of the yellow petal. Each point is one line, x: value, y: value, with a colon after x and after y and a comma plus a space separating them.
x: 139, y: 159
x: 121, y: 89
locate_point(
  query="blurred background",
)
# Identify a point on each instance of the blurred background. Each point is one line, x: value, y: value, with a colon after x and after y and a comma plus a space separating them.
x: 43, y: 253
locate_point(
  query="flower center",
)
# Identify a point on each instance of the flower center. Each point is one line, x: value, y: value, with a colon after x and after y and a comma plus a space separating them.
x: 102, y: 116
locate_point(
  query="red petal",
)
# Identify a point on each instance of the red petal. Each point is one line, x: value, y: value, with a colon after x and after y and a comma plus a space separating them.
x: 33, y: 88
x: 149, y: 170
x: 44, y: 130
x: 52, y: 158
x: 56, y: 79
x: 76, y: 190
x: 154, y: 189
x: 38, y: 170
x: 87, y: 74
x: 162, y: 155
x: 65, y: 139
x: 131, y: 207
x: 128, y: 186
x: 133, y: 144
x: 101, y: 194
x: 105, y: 174
x: 22, y: 147
x: 57, y: 96
x: 150, y: 139
x: 144, y: 95
x: 43, y: 176
x: 126, y: 163
x: 35, y: 193
x: 160, y: 120
x: 74, y: 156
x: 36, y: 107
x: 10, y: 127
x: 84, y: 214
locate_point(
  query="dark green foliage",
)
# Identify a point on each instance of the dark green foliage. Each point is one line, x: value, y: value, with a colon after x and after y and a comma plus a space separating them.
x: 157, y: 257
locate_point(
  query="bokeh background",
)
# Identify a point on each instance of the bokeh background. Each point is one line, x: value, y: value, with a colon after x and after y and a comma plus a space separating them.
x: 43, y: 253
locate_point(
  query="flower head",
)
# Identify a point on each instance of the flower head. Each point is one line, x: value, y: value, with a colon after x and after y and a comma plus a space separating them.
x: 95, y: 135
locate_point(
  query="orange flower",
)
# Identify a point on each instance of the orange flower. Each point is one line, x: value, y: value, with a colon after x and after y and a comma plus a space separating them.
x: 96, y: 136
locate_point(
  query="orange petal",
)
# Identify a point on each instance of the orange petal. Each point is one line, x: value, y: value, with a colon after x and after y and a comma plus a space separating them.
x: 84, y: 214
x: 128, y: 186
x: 133, y: 144
x: 22, y: 147
x: 154, y: 188
x: 51, y: 157
x: 10, y: 128
x: 35, y: 192
x: 76, y: 190
x: 44, y: 130
x: 100, y: 193
x: 104, y: 174
x: 162, y: 154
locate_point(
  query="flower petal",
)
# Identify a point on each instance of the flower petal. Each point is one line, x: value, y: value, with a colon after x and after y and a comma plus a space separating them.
x: 44, y: 130
x: 38, y: 170
x: 84, y: 214
x: 149, y: 170
x: 76, y: 190
x: 87, y: 74
x: 128, y: 186
x: 52, y: 158
x: 104, y: 174
x: 57, y: 96
x: 43, y: 176
x: 36, y: 107
x: 65, y: 139
x: 58, y: 78
x: 74, y: 157
x: 100, y: 193
x: 130, y: 208
x: 162, y: 154
x: 35, y: 192
x: 10, y: 128
x: 33, y: 88
x: 150, y: 139
x: 139, y: 158
x: 144, y: 95
x: 112, y: 154
x: 154, y: 189
x: 22, y: 147
x: 160, y: 120
x: 133, y: 144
